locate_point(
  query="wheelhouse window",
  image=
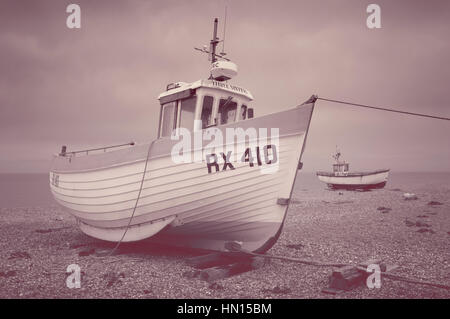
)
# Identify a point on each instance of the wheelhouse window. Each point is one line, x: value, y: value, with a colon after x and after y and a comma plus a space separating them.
x: 207, y: 108
x: 169, y: 118
x: 243, y: 112
x: 187, y: 114
x: 227, y: 111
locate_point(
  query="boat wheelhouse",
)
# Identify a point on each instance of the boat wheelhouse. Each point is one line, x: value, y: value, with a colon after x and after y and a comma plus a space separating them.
x: 202, y: 104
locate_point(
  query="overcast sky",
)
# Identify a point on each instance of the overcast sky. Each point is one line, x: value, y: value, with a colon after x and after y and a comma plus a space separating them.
x: 98, y: 85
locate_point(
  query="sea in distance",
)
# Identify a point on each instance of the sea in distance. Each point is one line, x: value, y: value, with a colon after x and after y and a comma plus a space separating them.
x: 31, y: 190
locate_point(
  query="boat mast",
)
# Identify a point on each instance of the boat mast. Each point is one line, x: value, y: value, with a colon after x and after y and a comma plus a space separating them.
x: 214, y: 42
x: 213, y: 56
x: 336, y: 156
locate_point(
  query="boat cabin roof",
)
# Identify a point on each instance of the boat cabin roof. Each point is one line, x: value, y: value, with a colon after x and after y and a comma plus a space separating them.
x: 179, y: 88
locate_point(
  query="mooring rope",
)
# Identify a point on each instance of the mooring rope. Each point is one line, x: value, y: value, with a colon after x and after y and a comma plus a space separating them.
x: 136, y: 203
x: 384, y: 109
x: 321, y: 264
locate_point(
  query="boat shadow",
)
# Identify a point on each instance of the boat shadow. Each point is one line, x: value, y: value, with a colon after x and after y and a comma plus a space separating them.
x: 340, y: 190
x: 141, y: 249
x: 148, y: 248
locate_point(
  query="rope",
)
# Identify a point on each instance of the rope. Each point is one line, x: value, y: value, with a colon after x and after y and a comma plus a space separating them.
x: 301, y: 261
x: 321, y: 264
x: 385, y: 109
x: 412, y: 281
x: 135, y: 205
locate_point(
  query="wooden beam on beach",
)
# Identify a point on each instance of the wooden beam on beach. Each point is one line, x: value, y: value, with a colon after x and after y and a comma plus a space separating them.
x: 219, y: 272
x: 216, y: 259
x: 210, y: 260
x: 219, y: 265
x: 350, y: 277
x: 346, y: 278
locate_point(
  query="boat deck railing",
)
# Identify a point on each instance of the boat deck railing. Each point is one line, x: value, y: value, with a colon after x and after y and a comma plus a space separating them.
x: 87, y: 151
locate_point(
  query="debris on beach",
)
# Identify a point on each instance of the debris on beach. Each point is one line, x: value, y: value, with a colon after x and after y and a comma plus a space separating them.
x: 410, y: 196
x: 422, y: 224
x: 75, y: 246
x: 192, y: 274
x: 434, y: 203
x: 279, y: 290
x: 216, y: 286
x: 86, y: 252
x: 350, y: 277
x: 113, y: 278
x: 426, y: 230
x: 102, y: 252
x: 216, y: 266
x: 7, y: 274
x: 19, y: 254
x: 343, y: 202
x: 296, y: 246
x: 409, y: 223
x: 384, y: 210
x: 416, y: 224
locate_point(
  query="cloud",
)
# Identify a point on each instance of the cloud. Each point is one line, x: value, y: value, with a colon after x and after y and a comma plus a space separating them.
x: 98, y: 85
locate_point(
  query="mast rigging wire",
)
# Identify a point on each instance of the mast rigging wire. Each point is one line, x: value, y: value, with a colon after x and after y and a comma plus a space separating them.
x: 385, y: 109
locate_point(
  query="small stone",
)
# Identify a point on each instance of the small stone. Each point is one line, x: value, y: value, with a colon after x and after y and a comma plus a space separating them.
x: 216, y: 286
x: 426, y: 230
x: 19, y: 254
x: 410, y: 196
x: 422, y: 224
x: 434, y: 203
x: 295, y: 246
x: 409, y: 223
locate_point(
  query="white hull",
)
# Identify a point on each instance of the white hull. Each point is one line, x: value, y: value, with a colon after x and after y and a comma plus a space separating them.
x: 356, y: 180
x: 192, y: 206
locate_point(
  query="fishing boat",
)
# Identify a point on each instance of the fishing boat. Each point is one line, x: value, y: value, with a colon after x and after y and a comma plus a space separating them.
x: 216, y: 174
x: 341, y: 178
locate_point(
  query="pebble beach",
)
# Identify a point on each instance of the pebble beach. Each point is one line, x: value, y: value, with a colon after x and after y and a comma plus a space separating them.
x: 38, y: 243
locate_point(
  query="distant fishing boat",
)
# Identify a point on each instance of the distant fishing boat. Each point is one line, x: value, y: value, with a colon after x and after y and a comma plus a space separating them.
x: 195, y: 189
x: 341, y: 178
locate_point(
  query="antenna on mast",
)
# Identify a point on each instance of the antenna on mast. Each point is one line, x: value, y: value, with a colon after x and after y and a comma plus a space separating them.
x: 220, y: 70
x: 213, y: 56
x: 214, y: 42
x: 224, y: 30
